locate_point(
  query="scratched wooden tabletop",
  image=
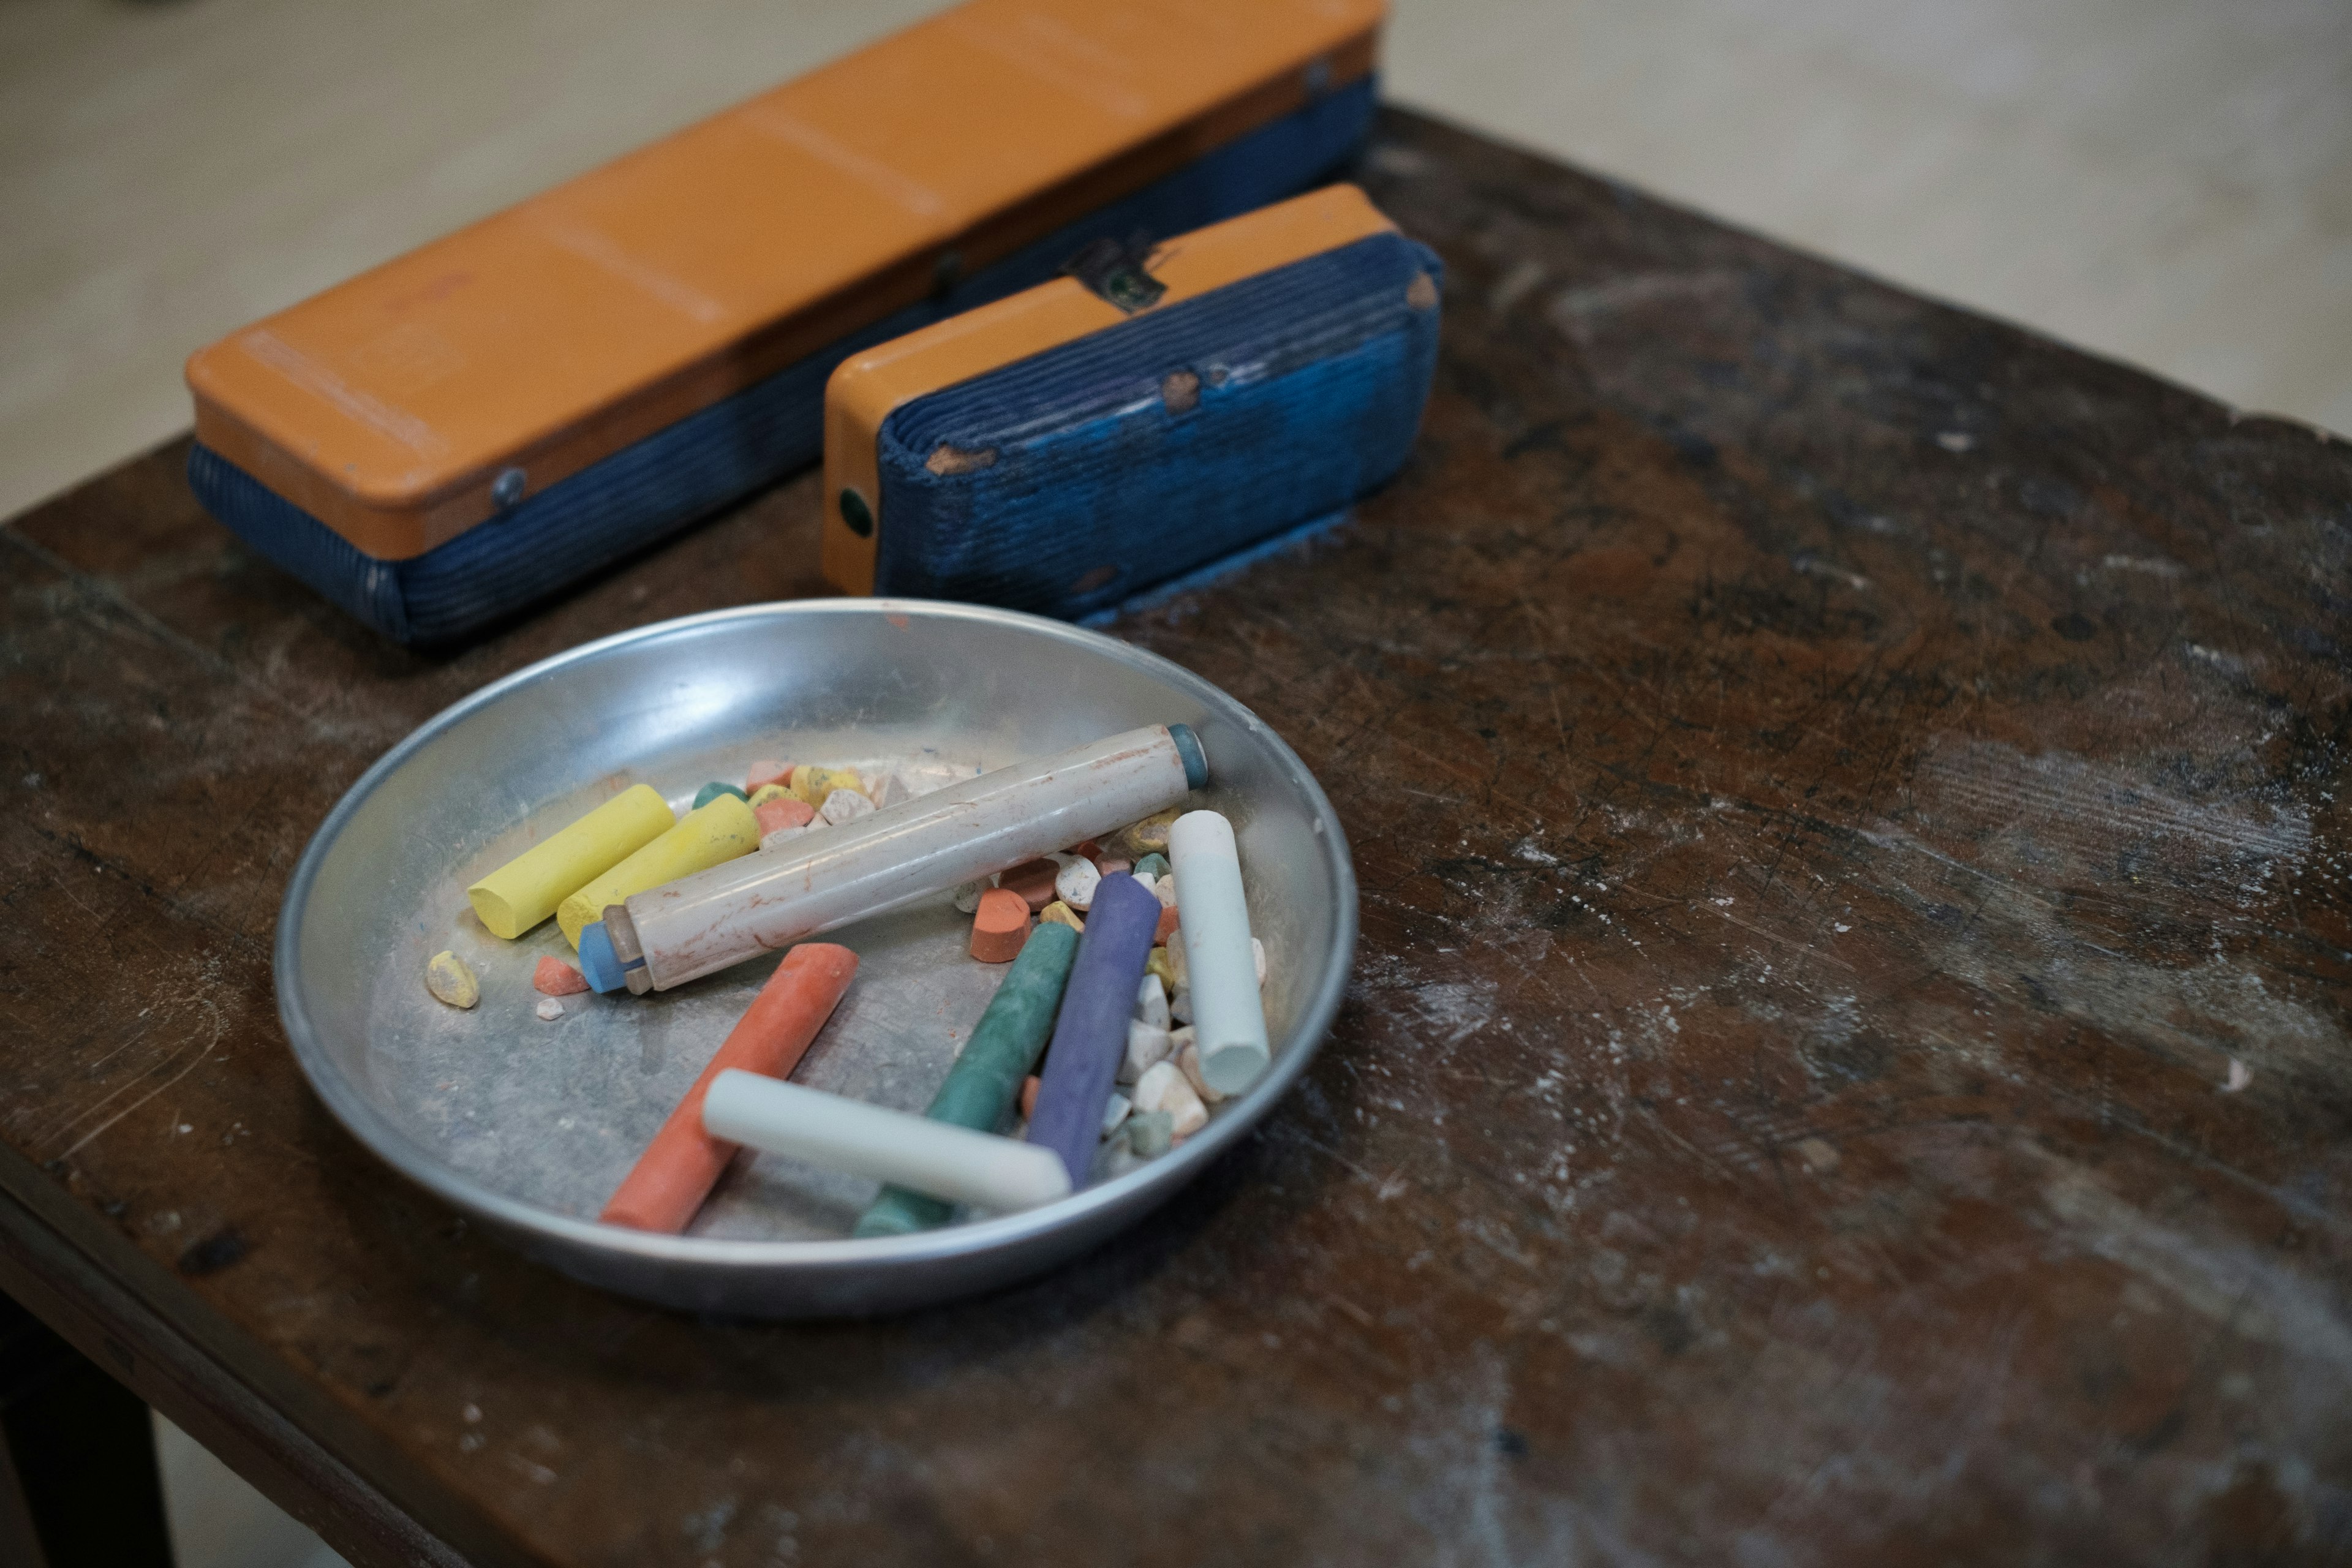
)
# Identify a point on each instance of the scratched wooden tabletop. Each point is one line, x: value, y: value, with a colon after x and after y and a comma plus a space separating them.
x: 1848, y: 1061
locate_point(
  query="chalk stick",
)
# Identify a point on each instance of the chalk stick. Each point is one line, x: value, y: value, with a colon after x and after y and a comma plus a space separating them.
x: 982, y: 1084
x: 1220, y: 969
x: 679, y: 1168
x: 947, y: 1162
x: 526, y: 890
x: 888, y: 858
x: 1090, y: 1035
x: 704, y: 838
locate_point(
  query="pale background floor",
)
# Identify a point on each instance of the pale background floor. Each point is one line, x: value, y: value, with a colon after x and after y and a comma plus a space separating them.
x: 2168, y: 181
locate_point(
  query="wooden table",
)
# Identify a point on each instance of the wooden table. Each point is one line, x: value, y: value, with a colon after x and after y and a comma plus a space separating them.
x: 1848, y: 1061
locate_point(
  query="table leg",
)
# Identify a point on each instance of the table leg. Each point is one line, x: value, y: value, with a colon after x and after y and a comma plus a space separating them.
x: 79, y: 1458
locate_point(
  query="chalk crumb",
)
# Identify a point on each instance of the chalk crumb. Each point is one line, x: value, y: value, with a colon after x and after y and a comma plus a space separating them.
x: 2239, y: 1076
x: 1818, y: 1157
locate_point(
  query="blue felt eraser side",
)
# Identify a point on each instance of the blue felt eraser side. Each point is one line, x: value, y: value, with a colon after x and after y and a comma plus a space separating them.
x: 562, y: 534
x: 1149, y: 450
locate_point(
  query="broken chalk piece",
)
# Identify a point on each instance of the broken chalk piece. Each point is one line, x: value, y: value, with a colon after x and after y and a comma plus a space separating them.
x: 967, y: 897
x: 991, y: 1071
x: 1034, y: 880
x: 846, y: 806
x: 1219, y: 964
x: 676, y: 1173
x: 448, y: 978
x: 1029, y: 1096
x: 935, y: 1157
x: 703, y: 837
x: 781, y: 811
x: 527, y: 889
x: 1164, y: 1089
x: 548, y: 1008
x: 554, y: 978
x: 1169, y: 921
x: 1147, y: 1046
x: 712, y: 791
x: 889, y: 791
x: 999, y: 926
x: 766, y: 792
x: 1061, y: 914
x: 1077, y: 881
x: 767, y: 773
x: 1161, y: 966
x: 813, y: 783
x: 1149, y: 1133
x: 1090, y: 1035
x: 1154, y: 865
x: 1152, y: 999
x: 1115, y: 1112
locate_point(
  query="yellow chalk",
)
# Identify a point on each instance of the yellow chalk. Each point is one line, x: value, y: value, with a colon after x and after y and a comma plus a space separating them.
x: 813, y: 784
x: 702, y: 838
x: 1060, y: 913
x: 767, y: 793
x: 526, y: 890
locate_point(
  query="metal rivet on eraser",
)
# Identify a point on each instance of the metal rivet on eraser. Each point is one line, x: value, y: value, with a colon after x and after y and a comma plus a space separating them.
x: 856, y: 515
x: 507, y: 487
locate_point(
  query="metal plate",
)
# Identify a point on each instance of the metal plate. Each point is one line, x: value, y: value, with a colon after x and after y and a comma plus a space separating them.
x: 529, y: 1125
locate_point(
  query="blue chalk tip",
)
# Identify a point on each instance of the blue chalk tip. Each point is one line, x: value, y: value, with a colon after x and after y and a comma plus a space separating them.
x: 598, y: 962
x: 711, y: 792
x: 1196, y: 761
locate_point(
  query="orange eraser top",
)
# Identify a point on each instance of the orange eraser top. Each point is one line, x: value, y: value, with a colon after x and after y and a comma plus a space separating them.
x: 683, y: 1162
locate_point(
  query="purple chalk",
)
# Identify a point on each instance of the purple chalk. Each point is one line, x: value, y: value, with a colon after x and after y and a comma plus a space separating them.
x: 1090, y: 1035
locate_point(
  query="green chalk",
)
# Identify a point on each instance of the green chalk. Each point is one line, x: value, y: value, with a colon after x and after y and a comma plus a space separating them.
x: 711, y: 792
x: 1149, y: 1132
x: 1154, y: 865
x: 984, y: 1081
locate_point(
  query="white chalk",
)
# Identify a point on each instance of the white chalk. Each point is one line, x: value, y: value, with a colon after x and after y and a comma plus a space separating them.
x: 1220, y: 965
x: 846, y: 806
x: 1164, y: 890
x: 1147, y: 1044
x: 761, y: 903
x: 890, y: 791
x: 1115, y: 1112
x: 548, y: 1008
x: 1151, y: 1002
x: 935, y: 1157
x: 967, y: 897
x: 1077, y: 881
x: 1164, y: 1089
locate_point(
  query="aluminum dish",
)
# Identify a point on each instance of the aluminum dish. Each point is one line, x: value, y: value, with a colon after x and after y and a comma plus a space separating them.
x: 528, y: 1126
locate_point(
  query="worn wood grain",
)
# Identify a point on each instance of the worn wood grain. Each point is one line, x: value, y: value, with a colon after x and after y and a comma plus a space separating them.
x: 1849, y: 1061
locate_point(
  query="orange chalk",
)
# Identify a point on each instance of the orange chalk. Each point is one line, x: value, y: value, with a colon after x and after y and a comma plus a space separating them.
x: 1000, y: 927
x: 1029, y: 1096
x: 1168, y: 923
x: 776, y: 815
x: 1034, y: 880
x: 556, y: 978
x: 767, y: 771
x: 682, y: 1164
